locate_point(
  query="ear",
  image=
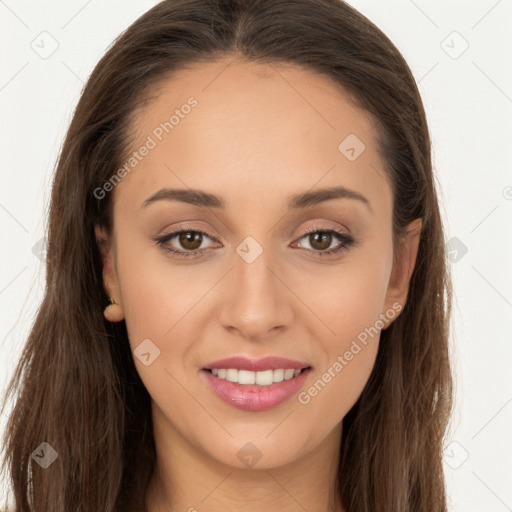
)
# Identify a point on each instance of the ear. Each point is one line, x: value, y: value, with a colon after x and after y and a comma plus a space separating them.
x: 106, y: 246
x: 403, y: 266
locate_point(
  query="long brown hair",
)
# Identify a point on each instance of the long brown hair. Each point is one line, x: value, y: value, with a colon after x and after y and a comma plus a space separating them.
x: 76, y: 385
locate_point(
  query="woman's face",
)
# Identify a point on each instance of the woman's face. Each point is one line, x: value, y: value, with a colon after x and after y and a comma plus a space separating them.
x: 265, y: 141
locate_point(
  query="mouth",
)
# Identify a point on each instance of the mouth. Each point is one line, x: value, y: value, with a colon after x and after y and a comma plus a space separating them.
x: 255, y: 390
x: 260, y: 378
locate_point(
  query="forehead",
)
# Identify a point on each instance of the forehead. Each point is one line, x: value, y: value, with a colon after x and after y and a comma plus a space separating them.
x: 243, y: 127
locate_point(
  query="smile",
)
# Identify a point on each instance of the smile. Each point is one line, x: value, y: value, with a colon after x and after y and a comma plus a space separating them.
x: 255, y: 391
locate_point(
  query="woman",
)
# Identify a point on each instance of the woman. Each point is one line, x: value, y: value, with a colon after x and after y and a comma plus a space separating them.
x: 247, y: 301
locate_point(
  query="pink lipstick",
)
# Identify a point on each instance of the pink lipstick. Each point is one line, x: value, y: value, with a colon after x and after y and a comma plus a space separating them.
x: 255, y: 384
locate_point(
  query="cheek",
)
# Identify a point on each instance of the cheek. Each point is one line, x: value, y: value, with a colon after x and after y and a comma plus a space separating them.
x: 350, y: 304
x: 157, y: 293
x: 335, y: 388
x: 160, y: 305
x: 348, y: 352
x: 347, y: 298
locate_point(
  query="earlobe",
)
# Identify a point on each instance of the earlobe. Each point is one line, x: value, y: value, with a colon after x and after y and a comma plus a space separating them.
x: 114, y: 311
x: 403, y: 266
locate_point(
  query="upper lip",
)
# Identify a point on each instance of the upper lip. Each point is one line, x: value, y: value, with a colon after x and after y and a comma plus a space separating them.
x: 257, y: 365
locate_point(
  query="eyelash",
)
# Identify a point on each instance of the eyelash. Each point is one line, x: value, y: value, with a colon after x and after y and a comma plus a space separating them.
x: 347, y: 242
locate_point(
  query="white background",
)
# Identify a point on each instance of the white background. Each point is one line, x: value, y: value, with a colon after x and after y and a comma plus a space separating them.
x: 468, y: 99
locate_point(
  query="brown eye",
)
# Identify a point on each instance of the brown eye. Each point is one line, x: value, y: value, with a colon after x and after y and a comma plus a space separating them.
x: 184, y: 243
x: 190, y: 240
x: 320, y: 240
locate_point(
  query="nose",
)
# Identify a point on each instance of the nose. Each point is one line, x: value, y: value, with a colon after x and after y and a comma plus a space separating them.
x: 258, y: 299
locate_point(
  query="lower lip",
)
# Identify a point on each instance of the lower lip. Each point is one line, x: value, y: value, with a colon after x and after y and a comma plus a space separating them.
x: 253, y: 397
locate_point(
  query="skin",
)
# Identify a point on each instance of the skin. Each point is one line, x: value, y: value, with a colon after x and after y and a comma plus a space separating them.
x: 259, y: 134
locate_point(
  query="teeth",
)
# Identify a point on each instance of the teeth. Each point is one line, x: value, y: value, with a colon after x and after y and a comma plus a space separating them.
x: 278, y: 375
x: 288, y: 374
x: 232, y: 375
x: 263, y: 378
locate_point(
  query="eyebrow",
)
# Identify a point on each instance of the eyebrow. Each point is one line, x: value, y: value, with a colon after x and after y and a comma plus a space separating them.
x: 208, y: 200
